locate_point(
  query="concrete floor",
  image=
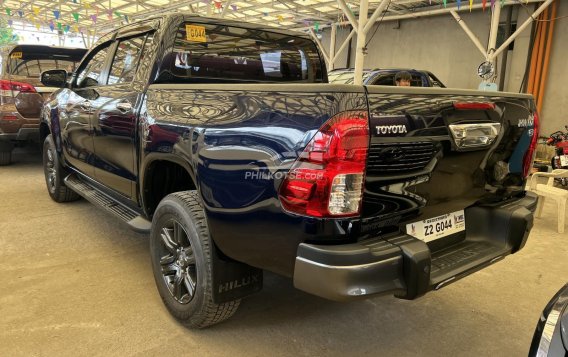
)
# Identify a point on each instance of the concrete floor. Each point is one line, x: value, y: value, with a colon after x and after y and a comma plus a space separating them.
x: 74, y: 281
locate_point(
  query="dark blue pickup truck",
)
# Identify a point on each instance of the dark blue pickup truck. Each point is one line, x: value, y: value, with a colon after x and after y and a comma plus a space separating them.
x: 225, y: 142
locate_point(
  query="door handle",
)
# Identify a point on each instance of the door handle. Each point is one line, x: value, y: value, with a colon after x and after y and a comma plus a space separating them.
x: 124, y: 107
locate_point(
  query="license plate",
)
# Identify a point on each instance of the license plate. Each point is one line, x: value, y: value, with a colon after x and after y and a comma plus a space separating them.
x: 563, y: 160
x: 437, y: 227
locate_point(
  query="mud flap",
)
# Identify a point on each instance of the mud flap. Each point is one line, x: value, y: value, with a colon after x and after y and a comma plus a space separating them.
x: 233, y: 280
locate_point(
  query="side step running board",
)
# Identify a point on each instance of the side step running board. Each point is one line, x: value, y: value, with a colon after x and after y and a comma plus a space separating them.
x: 117, y: 209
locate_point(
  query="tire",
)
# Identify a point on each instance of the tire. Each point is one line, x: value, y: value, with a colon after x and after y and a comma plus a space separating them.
x: 5, y: 158
x: 54, y: 174
x: 182, y: 259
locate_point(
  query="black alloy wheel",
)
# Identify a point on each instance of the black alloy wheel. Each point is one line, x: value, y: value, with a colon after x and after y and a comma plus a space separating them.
x: 181, y: 251
x: 177, y: 261
x: 49, y: 169
x: 54, y: 174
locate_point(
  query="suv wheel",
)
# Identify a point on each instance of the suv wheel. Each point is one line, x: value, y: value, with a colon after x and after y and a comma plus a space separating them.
x: 5, y: 158
x: 181, y: 251
x: 54, y: 174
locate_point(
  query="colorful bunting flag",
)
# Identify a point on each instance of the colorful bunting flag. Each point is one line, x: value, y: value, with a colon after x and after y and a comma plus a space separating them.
x: 470, y: 5
x: 51, y: 25
x: 234, y: 7
x: 59, y: 26
x: 76, y: 16
x: 94, y: 18
x: 67, y: 27
x: 316, y: 26
x: 492, y: 4
x: 459, y: 4
x: 484, y: 4
x: 8, y: 11
x: 56, y: 14
x: 10, y: 22
x: 118, y: 14
x: 35, y: 10
x: 445, y: 3
x: 20, y: 13
x: 37, y: 25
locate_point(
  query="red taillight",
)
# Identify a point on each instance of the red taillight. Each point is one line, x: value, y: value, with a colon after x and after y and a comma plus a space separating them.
x: 16, y: 86
x: 529, y: 155
x: 327, y: 178
x: 473, y: 106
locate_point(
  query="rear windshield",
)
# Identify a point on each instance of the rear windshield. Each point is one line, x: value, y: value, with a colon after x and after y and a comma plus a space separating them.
x: 30, y: 61
x: 205, y: 53
x: 388, y: 80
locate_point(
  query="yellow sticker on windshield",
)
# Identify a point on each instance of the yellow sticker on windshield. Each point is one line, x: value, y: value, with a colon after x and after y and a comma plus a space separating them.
x: 16, y: 55
x: 195, y: 33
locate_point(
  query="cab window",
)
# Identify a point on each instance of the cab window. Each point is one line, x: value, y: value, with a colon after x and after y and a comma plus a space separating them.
x: 126, y: 59
x: 91, y: 74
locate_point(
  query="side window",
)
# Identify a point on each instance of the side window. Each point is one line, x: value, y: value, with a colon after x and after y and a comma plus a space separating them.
x: 435, y: 82
x: 90, y: 74
x: 385, y: 80
x: 126, y: 60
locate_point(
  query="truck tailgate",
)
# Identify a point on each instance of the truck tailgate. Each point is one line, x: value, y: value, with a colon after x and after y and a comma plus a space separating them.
x: 435, y: 152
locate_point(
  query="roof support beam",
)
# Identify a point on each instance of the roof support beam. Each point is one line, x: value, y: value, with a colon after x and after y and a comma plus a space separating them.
x: 225, y: 7
x: 378, y: 11
x: 520, y: 29
x: 433, y: 11
x: 320, y: 45
x: 349, y: 14
x: 343, y: 46
x: 469, y: 33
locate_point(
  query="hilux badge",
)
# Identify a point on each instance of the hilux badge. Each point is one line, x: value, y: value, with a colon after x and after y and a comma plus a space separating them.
x: 391, y: 129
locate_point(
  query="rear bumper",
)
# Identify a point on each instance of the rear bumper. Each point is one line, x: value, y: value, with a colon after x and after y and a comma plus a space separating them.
x: 15, y: 127
x: 404, y: 265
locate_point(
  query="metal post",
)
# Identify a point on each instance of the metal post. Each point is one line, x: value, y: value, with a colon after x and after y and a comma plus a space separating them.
x: 332, y: 47
x: 520, y: 29
x: 495, y: 16
x: 361, y: 38
x: 469, y: 33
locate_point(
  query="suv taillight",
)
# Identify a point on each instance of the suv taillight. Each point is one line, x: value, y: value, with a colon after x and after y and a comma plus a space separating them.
x: 529, y: 155
x: 7, y: 85
x: 327, y: 178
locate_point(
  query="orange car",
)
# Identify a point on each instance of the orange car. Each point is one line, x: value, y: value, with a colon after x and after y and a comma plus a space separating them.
x: 21, y: 92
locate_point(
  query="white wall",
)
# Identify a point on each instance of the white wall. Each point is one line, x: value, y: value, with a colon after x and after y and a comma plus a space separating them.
x: 439, y: 44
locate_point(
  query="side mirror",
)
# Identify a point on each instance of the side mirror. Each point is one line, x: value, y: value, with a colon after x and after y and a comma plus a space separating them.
x: 54, y: 78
